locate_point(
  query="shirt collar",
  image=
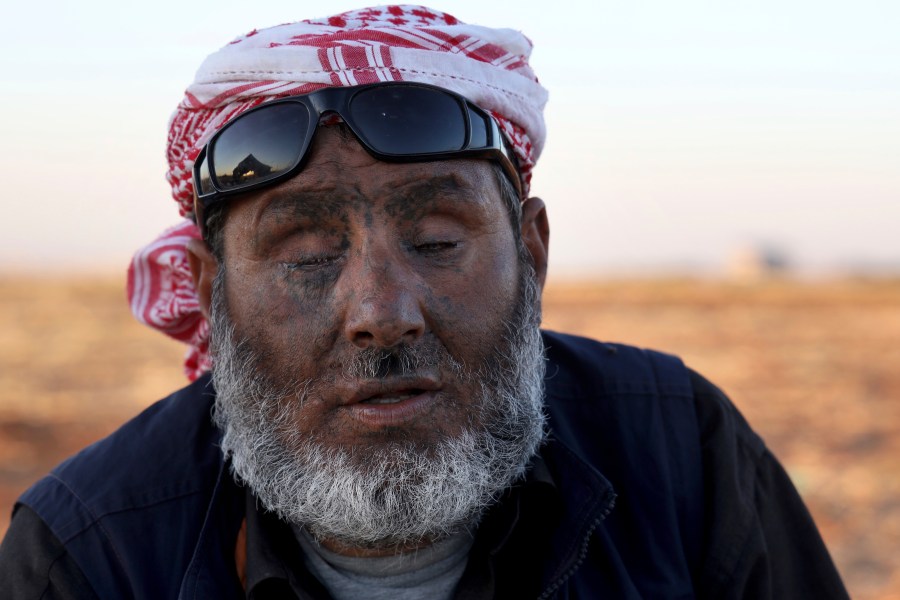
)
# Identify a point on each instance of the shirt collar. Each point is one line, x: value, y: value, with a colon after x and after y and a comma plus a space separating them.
x: 274, y: 559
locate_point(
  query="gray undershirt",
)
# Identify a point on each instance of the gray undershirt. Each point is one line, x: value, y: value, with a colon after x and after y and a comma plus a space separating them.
x: 431, y: 572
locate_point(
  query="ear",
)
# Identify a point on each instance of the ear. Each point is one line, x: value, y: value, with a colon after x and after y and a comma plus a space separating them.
x: 536, y: 235
x: 204, y: 267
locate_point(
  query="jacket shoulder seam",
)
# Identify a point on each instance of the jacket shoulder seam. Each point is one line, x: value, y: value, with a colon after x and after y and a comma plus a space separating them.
x: 94, y: 522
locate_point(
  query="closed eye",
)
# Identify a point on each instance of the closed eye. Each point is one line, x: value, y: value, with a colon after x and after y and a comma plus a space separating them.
x: 310, y: 263
x: 433, y: 247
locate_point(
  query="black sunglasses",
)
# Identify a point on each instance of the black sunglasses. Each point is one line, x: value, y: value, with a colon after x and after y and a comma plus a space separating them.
x: 394, y: 122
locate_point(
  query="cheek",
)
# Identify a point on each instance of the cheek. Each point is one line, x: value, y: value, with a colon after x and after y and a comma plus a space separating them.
x: 469, y: 312
x: 294, y: 324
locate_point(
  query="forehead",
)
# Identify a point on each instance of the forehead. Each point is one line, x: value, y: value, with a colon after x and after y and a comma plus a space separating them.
x: 340, y: 173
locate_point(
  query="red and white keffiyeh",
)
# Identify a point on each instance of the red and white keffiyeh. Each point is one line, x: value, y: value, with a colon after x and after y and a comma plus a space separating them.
x: 387, y: 43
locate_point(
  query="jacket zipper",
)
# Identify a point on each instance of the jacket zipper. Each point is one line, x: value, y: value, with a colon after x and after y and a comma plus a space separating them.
x: 611, y: 502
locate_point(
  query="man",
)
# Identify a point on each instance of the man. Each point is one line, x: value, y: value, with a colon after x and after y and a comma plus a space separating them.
x: 387, y: 419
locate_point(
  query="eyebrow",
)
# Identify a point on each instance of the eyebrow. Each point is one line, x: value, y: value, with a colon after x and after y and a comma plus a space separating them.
x: 420, y: 192
x: 328, y: 199
x: 308, y: 202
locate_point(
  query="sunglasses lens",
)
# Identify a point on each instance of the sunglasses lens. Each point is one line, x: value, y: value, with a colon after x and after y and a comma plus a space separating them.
x: 260, y: 145
x: 204, y: 183
x: 409, y: 120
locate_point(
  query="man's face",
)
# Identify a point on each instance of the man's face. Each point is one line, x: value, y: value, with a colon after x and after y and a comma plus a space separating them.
x: 374, y: 303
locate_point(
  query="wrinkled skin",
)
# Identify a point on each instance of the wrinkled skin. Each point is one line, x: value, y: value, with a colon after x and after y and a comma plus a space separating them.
x: 354, y: 253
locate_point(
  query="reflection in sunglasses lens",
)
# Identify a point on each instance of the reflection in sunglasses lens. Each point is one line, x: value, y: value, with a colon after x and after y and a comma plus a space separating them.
x: 260, y: 145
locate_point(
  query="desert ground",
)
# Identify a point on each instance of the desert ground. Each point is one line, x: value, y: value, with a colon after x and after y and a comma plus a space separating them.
x: 814, y: 366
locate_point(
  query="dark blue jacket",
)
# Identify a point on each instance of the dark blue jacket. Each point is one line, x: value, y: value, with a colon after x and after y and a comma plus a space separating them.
x: 658, y: 487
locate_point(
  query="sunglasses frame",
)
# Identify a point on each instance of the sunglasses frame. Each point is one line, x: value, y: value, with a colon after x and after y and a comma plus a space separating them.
x: 337, y: 100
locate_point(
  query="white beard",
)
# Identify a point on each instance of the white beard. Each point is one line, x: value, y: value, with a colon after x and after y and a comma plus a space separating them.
x: 393, y: 494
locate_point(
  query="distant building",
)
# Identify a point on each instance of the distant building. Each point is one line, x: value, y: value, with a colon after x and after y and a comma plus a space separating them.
x: 756, y: 262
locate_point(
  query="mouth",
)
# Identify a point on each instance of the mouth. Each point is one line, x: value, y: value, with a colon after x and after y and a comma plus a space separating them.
x: 389, y: 390
x: 392, y: 402
x: 393, y: 397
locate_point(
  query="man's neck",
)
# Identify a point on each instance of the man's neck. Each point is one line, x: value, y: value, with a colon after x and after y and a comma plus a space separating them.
x: 433, y: 571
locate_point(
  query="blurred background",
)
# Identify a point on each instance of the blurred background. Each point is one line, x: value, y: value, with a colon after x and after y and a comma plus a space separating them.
x: 722, y: 181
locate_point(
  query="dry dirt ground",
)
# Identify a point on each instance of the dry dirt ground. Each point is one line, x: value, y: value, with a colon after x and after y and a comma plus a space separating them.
x: 814, y: 367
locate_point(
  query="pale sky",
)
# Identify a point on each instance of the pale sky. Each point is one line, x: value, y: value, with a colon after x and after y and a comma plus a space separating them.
x: 679, y: 131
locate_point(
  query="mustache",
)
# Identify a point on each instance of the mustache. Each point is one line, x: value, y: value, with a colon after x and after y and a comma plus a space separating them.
x: 402, y: 360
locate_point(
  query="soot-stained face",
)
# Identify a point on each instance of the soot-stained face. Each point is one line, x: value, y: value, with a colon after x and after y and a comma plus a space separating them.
x: 378, y: 363
x: 354, y: 254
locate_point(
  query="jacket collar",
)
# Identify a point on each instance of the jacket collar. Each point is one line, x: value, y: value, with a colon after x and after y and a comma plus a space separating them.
x: 586, y: 497
x: 211, y: 572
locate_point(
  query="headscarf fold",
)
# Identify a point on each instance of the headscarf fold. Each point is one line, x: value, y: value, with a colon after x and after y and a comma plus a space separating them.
x: 389, y: 43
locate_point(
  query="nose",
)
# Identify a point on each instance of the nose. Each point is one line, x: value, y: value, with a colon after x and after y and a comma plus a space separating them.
x: 385, y: 309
